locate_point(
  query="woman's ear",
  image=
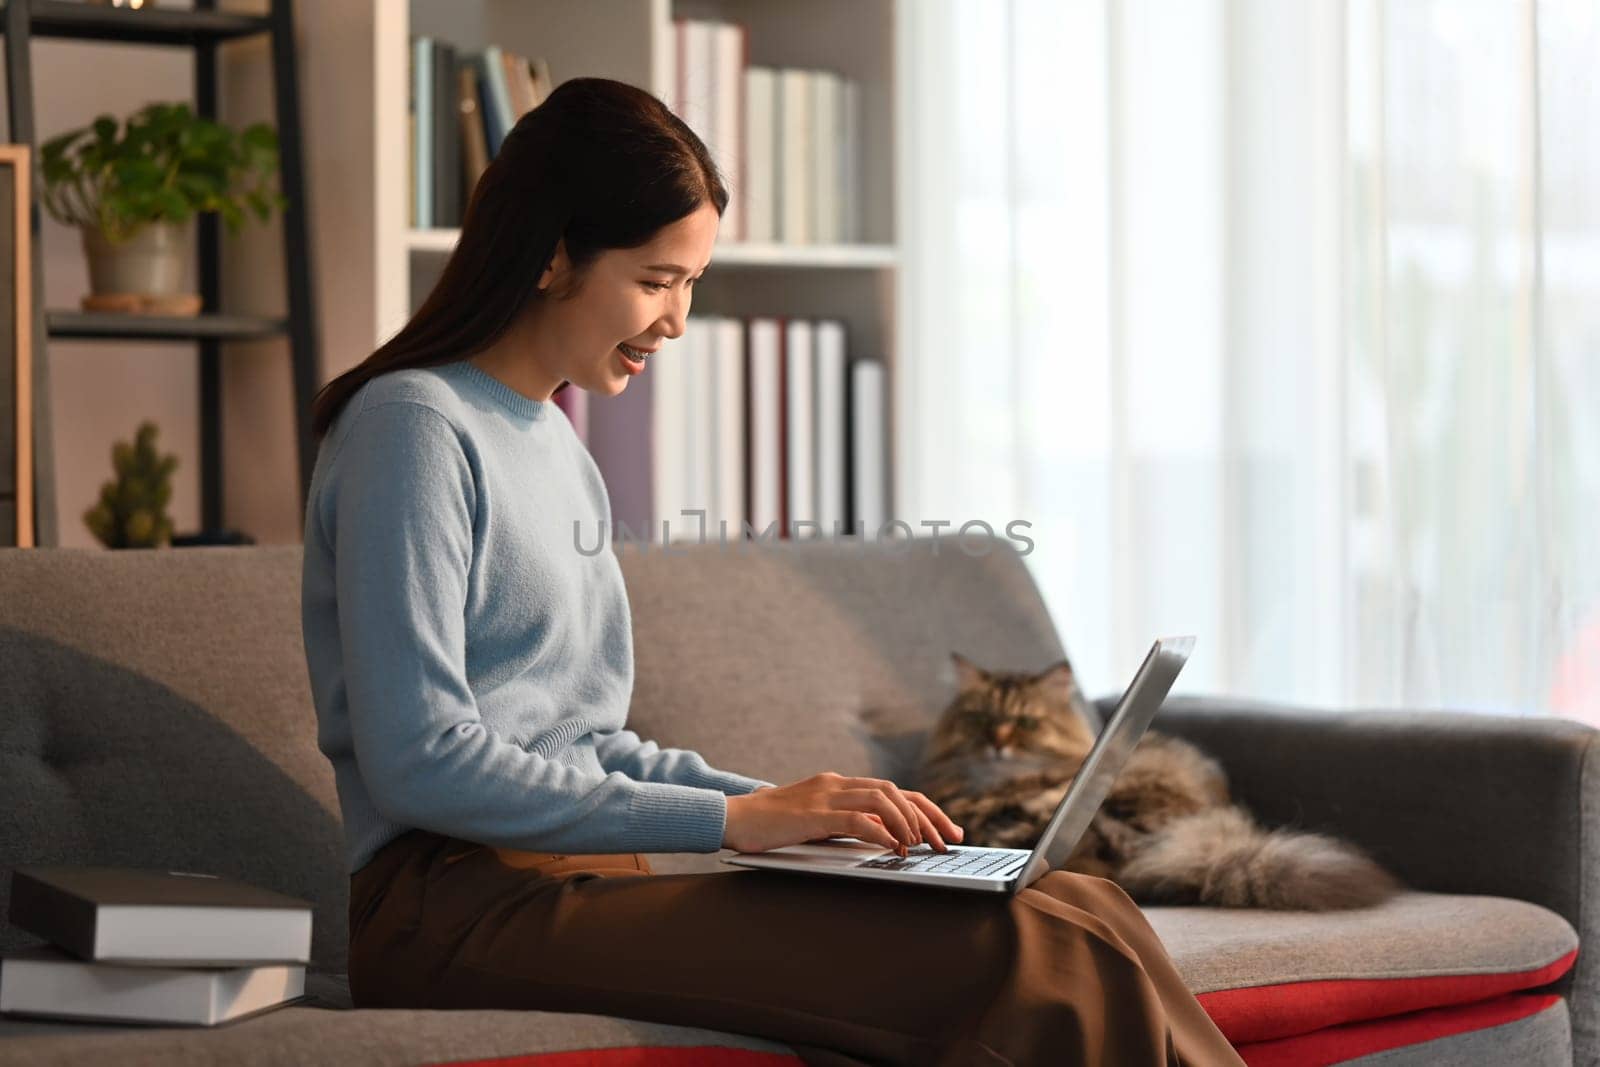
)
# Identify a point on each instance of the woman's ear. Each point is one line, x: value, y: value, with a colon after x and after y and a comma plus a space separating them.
x: 559, y: 267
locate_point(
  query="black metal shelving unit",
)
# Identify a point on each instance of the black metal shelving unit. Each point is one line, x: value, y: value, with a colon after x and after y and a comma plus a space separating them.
x: 204, y: 29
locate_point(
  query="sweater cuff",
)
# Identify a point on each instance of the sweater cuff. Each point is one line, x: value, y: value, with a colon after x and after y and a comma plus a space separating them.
x: 677, y: 818
x: 723, y: 782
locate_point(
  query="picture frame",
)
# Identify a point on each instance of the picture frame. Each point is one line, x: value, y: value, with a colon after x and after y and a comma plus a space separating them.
x: 16, y: 348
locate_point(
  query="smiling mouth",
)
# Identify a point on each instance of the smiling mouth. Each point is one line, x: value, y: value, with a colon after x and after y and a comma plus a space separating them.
x: 635, y: 355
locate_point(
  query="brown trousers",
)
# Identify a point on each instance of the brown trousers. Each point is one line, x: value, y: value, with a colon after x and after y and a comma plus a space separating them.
x: 1066, y: 972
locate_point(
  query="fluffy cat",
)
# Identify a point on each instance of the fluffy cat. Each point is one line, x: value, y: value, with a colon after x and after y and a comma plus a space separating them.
x: 1004, y: 751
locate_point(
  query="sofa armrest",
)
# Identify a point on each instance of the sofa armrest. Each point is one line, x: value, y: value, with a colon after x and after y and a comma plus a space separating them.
x: 1451, y: 802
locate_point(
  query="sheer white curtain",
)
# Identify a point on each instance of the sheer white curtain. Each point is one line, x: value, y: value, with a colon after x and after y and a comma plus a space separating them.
x: 1280, y: 322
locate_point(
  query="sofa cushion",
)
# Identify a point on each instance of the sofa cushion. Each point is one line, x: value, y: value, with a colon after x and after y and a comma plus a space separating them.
x: 1265, y: 975
x: 809, y: 656
x: 1527, y: 1029
x: 326, y: 1030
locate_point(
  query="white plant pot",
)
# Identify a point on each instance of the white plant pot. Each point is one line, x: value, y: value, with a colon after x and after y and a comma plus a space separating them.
x: 152, y: 262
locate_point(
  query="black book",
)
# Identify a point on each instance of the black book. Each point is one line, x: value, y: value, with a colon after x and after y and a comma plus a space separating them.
x: 446, y: 136
x: 160, y: 918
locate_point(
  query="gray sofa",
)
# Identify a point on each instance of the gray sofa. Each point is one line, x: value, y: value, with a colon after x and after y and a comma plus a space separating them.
x: 157, y: 713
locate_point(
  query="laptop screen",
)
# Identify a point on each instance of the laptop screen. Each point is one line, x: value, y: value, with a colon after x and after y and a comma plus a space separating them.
x: 1111, y: 750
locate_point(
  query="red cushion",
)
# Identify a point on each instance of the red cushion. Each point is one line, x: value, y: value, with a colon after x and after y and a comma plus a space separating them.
x: 643, y: 1056
x: 1340, y: 1043
x: 1269, y: 1012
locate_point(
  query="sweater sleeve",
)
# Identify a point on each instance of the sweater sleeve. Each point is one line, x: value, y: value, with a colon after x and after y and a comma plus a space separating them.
x: 645, y: 761
x: 401, y: 522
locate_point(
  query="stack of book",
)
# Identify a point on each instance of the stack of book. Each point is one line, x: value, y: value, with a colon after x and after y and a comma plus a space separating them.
x: 140, y: 946
x: 789, y: 139
x: 461, y: 106
x: 767, y: 425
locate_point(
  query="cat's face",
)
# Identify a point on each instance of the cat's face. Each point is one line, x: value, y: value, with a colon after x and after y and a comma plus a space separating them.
x: 1000, y: 715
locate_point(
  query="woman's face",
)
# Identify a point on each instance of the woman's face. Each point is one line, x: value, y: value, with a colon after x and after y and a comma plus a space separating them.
x: 638, y: 297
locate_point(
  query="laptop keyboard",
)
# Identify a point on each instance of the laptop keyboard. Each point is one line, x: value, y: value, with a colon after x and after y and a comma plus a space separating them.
x: 971, y: 861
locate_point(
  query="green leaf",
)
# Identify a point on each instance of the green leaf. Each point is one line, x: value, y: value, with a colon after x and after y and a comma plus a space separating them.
x: 162, y: 162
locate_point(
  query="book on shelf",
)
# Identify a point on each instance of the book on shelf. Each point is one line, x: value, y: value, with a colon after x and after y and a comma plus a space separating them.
x: 423, y: 127
x: 760, y: 191
x: 149, y: 917
x: 669, y: 456
x: 47, y: 982
x: 699, y: 414
x: 799, y: 376
x: 575, y: 403
x: 447, y: 148
x: 730, y: 55
x: 474, y: 146
x: 829, y: 412
x: 764, y: 414
x: 728, y: 442
x: 794, y: 137
x: 868, y: 469
x: 823, y: 224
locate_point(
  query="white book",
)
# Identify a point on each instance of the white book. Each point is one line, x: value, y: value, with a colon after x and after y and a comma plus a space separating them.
x: 849, y: 160
x: 669, y: 422
x: 729, y: 424
x: 764, y: 369
x: 867, y: 446
x: 46, y: 981
x: 830, y: 392
x: 796, y: 138
x: 824, y: 178
x: 728, y: 101
x: 699, y: 433
x: 799, y: 419
x: 758, y: 193
x: 422, y: 80
x: 699, y: 42
x: 674, y: 59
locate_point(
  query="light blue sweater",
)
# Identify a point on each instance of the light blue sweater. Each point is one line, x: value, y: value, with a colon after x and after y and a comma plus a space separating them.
x: 471, y: 667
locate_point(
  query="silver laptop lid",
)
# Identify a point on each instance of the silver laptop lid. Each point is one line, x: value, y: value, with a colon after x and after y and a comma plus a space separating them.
x: 1105, y: 760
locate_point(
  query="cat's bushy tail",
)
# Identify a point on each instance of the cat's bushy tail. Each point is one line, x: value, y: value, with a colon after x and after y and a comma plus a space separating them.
x: 1222, y: 858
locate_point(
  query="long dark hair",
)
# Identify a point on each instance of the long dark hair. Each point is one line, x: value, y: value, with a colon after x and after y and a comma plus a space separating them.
x: 601, y: 163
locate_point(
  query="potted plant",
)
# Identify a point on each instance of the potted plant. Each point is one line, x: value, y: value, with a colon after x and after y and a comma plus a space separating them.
x: 132, y: 509
x: 133, y: 190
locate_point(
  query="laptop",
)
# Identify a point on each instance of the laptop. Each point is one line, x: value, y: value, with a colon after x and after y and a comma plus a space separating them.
x: 1003, y: 870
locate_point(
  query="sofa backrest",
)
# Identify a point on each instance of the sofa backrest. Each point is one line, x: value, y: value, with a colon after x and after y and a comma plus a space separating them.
x: 157, y: 711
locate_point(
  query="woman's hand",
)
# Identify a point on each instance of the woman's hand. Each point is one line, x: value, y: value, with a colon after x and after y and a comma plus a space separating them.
x: 832, y: 805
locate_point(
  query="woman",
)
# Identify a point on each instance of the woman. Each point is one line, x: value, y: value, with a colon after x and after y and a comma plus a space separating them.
x: 472, y: 670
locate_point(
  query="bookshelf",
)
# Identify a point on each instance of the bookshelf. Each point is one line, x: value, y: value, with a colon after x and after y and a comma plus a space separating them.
x: 375, y: 268
x: 269, y: 35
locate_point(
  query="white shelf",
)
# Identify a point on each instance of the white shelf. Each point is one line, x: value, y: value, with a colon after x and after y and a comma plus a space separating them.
x: 730, y: 253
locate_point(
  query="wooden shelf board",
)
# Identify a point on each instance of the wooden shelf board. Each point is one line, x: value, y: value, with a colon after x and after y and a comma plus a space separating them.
x: 106, y: 326
x: 733, y: 253
x: 173, y: 26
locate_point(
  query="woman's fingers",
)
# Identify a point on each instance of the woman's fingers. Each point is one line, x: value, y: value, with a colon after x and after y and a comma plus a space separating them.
x: 909, y: 827
x: 884, y: 807
x: 942, y: 823
x: 868, y: 827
